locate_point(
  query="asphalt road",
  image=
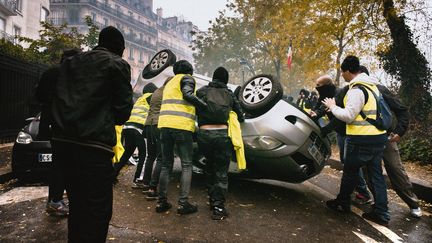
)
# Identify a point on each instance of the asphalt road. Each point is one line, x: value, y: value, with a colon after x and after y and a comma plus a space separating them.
x: 260, y: 211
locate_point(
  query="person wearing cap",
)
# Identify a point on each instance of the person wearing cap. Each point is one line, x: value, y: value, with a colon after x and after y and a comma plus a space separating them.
x: 92, y: 95
x: 177, y: 124
x: 213, y: 139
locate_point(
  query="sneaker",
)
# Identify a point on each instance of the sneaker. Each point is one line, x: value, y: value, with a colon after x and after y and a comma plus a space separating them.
x: 416, y: 212
x: 338, y: 206
x: 138, y: 185
x: 362, y: 199
x: 219, y: 213
x: 163, y: 207
x: 151, y: 195
x: 59, y: 209
x: 145, y: 188
x: 187, y: 208
x: 375, y: 218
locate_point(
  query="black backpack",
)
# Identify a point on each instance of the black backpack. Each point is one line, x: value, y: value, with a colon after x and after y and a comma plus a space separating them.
x: 219, y: 104
x: 384, y: 117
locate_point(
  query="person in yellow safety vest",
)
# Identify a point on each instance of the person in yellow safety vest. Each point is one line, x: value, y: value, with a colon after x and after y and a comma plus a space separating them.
x: 302, y: 99
x: 213, y: 139
x: 364, y: 143
x: 176, y: 124
x: 133, y: 135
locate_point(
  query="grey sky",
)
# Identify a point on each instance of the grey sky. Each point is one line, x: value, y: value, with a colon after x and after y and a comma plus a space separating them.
x: 197, y: 11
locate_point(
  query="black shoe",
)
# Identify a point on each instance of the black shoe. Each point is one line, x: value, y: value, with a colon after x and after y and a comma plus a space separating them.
x: 151, y: 195
x: 163, y: 207
x: 338, y: 206
x: 219, y: 213
x: 375, y: 218
x: 187, y: 208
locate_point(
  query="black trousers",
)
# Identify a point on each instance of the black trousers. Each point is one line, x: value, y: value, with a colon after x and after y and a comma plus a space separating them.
x: 56, y: 182
x: 133, y: 139
x: 217, y: 148
x: 88, y: 175
x: 151, y: 176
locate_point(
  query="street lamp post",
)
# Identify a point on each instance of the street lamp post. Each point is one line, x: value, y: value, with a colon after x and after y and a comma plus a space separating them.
x: 243, y: 62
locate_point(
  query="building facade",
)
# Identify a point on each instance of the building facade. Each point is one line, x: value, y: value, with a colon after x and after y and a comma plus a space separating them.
x: 145, y: 32
x: 22, y: 18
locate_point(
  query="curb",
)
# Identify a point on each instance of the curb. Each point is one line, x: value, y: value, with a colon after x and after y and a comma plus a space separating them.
x: 6, y: 177
x: 421, y: 188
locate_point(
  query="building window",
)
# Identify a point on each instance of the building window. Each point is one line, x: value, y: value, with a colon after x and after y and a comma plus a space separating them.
x: 141, y: 36
x: 44, y: 14
x: 105, y: 21
x: 16, y: 33
x: 2, y: 25
x: 93, y: 16
x: 130, y: 53
x: 141, y: 57
x: 19, y: 5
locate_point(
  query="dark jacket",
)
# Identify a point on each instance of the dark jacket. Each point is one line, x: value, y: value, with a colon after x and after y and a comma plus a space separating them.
x: 187, y: 85
x: 400, y: 111
x: 44, y: 95
x: 155, y: 106
x: 207, y: 118
x: 93, y: 94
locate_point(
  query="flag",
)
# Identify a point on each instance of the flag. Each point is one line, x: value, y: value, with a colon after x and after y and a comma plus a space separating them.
x: 289, y: 58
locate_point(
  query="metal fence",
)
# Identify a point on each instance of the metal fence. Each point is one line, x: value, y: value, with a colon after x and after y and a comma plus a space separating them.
x: 17, y: 82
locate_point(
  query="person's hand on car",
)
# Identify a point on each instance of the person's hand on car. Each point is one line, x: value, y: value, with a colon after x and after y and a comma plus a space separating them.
x: 394, y: 137
x: 329, y: 102
x: 312, y: 114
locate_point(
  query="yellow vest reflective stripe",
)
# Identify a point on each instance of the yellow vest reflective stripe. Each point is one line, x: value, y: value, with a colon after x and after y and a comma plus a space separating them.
x: 140, y: 110
x: 360, y: 126
x: 176, y: 112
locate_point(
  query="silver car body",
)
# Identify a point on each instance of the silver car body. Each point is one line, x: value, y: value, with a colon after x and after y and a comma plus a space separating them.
x: 283, y: 144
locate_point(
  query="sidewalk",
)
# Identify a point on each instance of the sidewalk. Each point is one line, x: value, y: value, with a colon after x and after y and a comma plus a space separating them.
x: 5, y: 162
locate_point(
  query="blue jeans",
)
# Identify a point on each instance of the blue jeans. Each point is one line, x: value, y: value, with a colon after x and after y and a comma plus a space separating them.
x: 357, y: 156
x: 362, y: 186
x: 183, y: 141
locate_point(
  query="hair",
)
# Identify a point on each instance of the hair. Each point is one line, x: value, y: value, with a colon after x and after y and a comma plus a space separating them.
x: 364, y: 69
x: 351, y: 64
x: 182, y: 67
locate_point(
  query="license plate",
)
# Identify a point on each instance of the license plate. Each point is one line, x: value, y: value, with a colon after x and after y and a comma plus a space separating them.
x: 316, y: 154
x: 45, y: 158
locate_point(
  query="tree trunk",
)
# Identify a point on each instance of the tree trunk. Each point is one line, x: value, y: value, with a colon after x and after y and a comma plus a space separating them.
x: 405, y: 61
x: 338, y: 63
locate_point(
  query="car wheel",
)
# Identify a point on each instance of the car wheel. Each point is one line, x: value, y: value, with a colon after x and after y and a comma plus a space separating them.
x: 158, y: 63
x: 259, y: 94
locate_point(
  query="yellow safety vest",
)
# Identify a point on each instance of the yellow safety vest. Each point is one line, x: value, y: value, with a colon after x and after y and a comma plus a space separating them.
x: 140, y: 110
x: 360, y: 126
x: 176, y: 112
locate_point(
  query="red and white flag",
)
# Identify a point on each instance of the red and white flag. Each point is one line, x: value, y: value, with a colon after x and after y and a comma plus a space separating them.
x: 289, y: 57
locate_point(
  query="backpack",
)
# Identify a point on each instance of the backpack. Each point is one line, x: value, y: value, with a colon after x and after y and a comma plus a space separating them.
x: 219, y: 104
x: 384, y: 117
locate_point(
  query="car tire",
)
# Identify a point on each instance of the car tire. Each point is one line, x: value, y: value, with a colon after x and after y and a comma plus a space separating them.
x: 259, y: 94
x: 158, y: 63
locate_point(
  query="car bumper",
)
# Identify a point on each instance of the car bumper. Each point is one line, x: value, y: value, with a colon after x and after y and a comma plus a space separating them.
x: 25, y: 158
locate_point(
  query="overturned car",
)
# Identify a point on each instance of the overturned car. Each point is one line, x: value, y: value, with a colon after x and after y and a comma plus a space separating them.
x: 281, y: 141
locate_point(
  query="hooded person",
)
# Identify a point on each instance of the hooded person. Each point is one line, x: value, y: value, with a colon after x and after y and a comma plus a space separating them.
x: 177, y: 124
x: 213, y: 139
x: 93, y: 94
x: 134, y: 134
x: 326, y: 89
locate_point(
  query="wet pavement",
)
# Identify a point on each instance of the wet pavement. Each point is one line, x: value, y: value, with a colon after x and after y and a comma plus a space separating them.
x: 260, y: 211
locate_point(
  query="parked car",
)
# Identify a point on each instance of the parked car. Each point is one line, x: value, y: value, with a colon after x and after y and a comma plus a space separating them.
x: 31, y: 156
x: 281, y: 141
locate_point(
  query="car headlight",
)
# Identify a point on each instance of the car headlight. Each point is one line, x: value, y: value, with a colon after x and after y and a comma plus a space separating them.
x: 24, y: 138
x: 261, y: 142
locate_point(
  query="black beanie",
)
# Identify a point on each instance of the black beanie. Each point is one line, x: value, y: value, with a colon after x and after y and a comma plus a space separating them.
x: 112, y: 39
x: 149, y: 88
x: 221, y: 75
x: 183, y: 67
